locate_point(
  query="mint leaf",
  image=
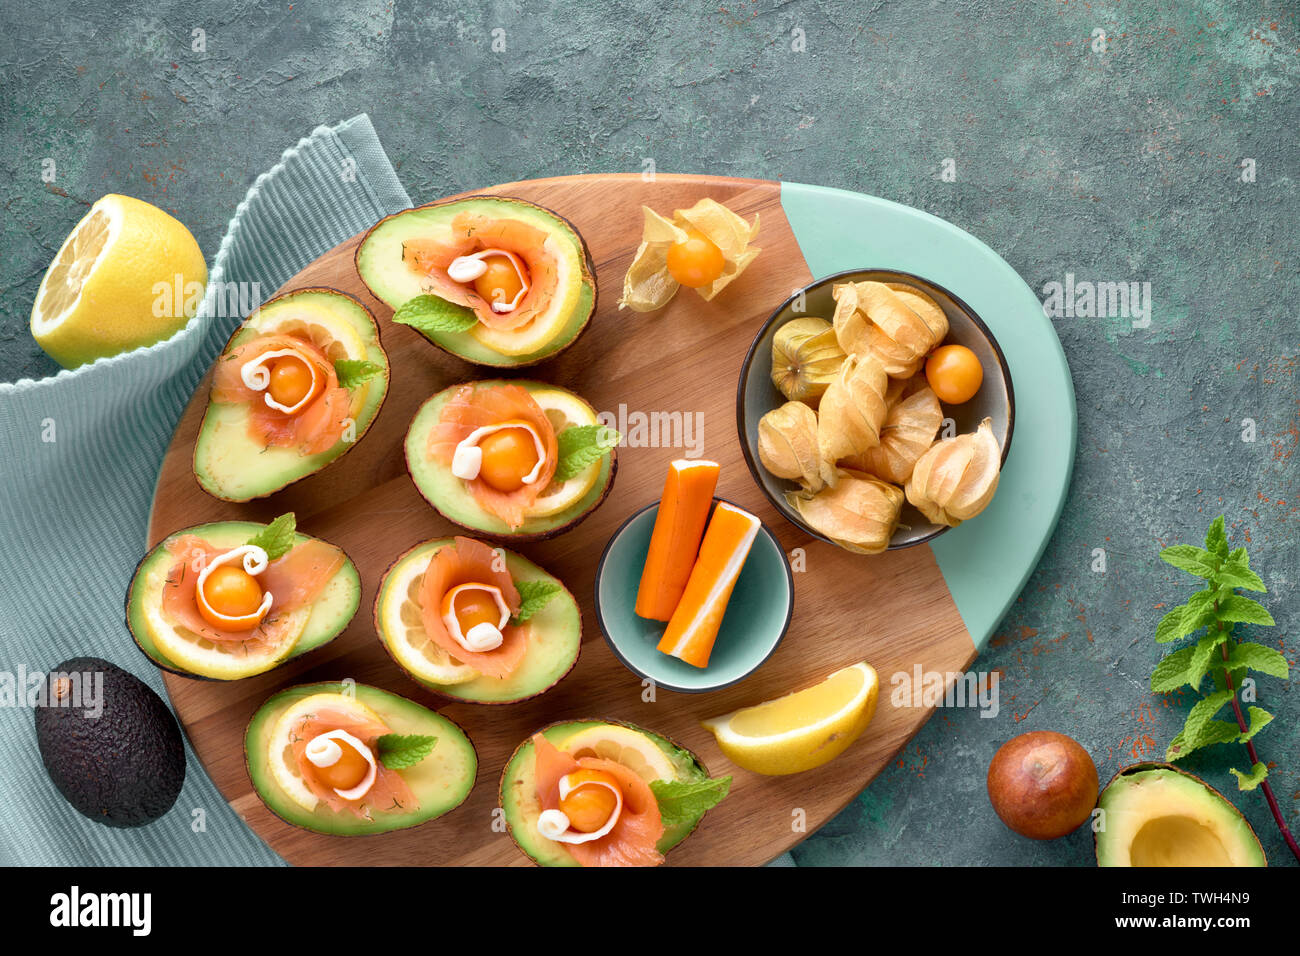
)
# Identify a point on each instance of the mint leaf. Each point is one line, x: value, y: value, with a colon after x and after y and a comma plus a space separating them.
x: 400, y: 751
x: 1238, y: 609
x: 1258, y: 718
x: 428, y: 313
x: 1203, y: 655
x: 1190, y: 558
x: 1201, y: 714
x: 354, y: 372
x: 682, y: 802
x: 1258, y: 657
x: 1216, y: 539
x: 277, y: 538
x: 1171, y: 672
x: 1235, y: 575
x: 533, y: 596
x: 1249, y: 781
x: 1186, y: 618
x: 581, y: 446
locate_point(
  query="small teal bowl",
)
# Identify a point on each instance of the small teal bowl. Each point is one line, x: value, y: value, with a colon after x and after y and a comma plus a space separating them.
x: 758, y: 614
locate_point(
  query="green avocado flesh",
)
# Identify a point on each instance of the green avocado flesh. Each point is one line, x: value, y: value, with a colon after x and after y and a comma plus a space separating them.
x: 1156, y: 815
x: 331, y: 611
x: 554, y: 635
x: 452, y: 496
x: 519, y: 793
x: 440, y: 782
x: 394, y: 281
x: 233, y: 464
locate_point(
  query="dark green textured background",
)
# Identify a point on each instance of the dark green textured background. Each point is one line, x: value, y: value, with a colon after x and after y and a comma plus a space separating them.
x: 1118, y: 164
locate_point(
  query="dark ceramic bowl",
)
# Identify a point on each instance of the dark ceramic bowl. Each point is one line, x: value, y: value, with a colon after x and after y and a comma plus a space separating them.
x: 757, y: 395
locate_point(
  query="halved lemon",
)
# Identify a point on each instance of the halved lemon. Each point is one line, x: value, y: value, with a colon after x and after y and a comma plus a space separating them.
x: 114, y: 284
x: 328, y: 331
x: 279, y: 749
x: 564, y: 409
x: 802, y: 730
x: 624, y: 745
x: 220, y: 660
x: 401, y: 620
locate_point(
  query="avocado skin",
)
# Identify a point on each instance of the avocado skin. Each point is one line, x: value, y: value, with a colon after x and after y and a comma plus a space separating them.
x: 124, y: 768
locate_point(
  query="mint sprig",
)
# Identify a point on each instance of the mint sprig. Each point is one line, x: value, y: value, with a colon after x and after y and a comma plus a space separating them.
x: 683, y: 802
x: 533, y: 596
x: 581, y: 446
x: 1211, y: 616
x: 354, y: 372
x: 277, y: 538
x: 430, y: 314
x: 400, y: 751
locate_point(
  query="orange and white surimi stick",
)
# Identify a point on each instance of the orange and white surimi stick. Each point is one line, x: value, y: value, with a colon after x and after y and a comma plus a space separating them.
x: 679, y: 525
x: 694, y: 625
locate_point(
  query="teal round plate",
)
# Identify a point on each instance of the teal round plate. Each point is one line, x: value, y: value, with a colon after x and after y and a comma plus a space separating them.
x: 757, y: 617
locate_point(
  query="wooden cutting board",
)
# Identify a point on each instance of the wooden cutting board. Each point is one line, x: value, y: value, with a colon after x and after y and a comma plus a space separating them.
x: 893, y: 610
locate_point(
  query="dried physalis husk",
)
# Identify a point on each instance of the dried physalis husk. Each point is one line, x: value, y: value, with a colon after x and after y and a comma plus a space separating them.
x: 853, y: 409
x: 859, y: 513
x: 898, y: 323
x: 805, y: 357
x: 908, y: 433
x: 955, y: 480
x: 787, y: 445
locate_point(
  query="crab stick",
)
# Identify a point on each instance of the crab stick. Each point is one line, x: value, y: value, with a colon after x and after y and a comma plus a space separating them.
x: 694, y: 625
x: 679, y: 525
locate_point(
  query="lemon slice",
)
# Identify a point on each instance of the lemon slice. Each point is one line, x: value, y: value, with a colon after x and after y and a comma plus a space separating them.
x: 564, y: 409
x: 220, y: 660
x: 402, y: 622
x: 801, y: 730
x: 279, y: 748
x: 328, y: 331
x: 98, y: 297
x: 624, y: 745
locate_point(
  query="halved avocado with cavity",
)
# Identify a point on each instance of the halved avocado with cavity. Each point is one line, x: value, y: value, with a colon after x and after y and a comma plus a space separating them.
x: 554, y: 634
x: 1158, y: 815
x: 547, y: 244
x: 455, y: 501
x: 518, y: 792
x: 233, y: 463
x: 181, y: 652
x: 440, y: 782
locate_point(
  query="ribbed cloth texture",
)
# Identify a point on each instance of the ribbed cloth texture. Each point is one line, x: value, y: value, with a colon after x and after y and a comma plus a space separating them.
x: 74, y: 510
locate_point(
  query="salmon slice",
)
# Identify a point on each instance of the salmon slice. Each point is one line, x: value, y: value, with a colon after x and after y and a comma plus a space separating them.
x: 316, y: 428
x: 633, y: 839
x: 473, y: 233
x: 389, y: 791
x: 472, y: 562
x: 295, y: 579
x: 474, y: 406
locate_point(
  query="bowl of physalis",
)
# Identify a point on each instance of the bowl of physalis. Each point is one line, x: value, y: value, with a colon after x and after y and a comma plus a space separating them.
x: 875, y: 409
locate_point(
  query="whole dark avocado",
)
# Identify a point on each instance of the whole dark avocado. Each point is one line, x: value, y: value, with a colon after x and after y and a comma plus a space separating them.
x: 109, y: 743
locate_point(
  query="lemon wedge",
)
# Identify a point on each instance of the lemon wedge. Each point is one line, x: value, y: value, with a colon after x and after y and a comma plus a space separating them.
x: 564, y: 409
x: 802, y: 730
x: 624, y: 745
x: 113, y: 286
x: 401, y: 621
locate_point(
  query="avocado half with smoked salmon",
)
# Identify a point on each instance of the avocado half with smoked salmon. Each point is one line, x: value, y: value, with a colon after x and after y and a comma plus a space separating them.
x: 297, y: 386
x: 511, y: 459
x: 348, y: 759
x: 232, y: 599
x: 475, y: 623
x: 604, y: 793
x: 494, y: 280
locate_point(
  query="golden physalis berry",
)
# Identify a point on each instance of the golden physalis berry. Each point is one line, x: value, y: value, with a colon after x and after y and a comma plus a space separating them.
x: 955, y: 373
x: 346, y: 772
x: 500, y: 281
x: 472, y: 606
x: 291, y: 380
x: 231, y: 591
x: 695, y: 261
x: 508, y: 456
x: 590, y: 802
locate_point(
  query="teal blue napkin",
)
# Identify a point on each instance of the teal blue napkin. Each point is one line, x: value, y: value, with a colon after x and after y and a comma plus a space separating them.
x: 74, y: 509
